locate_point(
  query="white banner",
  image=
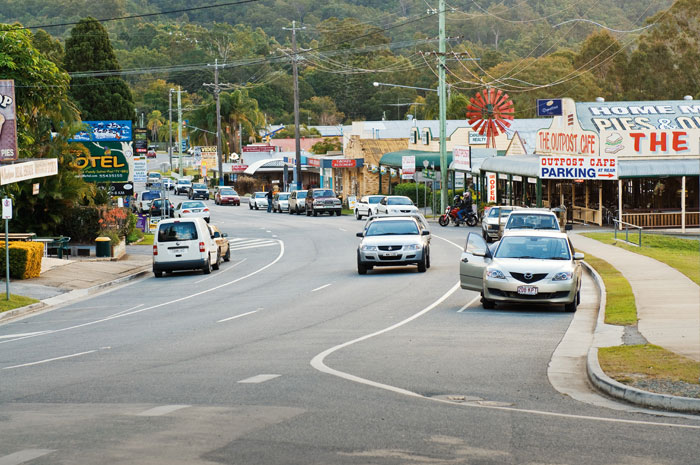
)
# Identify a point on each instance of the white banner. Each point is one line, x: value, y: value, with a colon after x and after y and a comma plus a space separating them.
x: 461, y: 158
x: 28, y: 170
x: 491, y: 184
x: 408, y: 166
x: 565, y: 167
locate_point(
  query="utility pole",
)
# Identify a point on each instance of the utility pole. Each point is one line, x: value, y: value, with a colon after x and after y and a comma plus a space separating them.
x: 442, y: 94
x: 179, y: 130
x: 296, y: 100
x: 217, y: 92
x: 170, y: 127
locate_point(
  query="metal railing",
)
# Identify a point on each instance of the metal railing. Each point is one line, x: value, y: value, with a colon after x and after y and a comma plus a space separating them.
x: 619, y: 225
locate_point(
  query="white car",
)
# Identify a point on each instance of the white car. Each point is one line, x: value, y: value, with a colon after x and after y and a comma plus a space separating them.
x: 367, y: 205
x: 526, y: 267
x: 184, y: 244
x: 531, y: 218
x: 494, y: 221
x: 258, y: 200
x: 142, y: 202
x: 393, y: 241
x: 395, y: 205
x: 193, y: 208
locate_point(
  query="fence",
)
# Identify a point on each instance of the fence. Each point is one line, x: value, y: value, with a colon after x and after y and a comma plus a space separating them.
x: 622, y: 226
x: 661, y: 219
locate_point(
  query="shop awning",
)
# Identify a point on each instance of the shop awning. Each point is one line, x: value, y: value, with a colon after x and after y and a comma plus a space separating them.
x: 393, y: 159
x: 268, y: 164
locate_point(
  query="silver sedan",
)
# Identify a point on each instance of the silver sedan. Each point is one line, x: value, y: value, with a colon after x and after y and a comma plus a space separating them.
x: 526, y: 267
x: 193, y: 208
x: 393, y: 241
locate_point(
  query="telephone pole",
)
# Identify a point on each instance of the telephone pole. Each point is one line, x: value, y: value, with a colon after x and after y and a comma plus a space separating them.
x: 297, y: 142
x: 443, y: 106
x: 170, y: 127
x: 217, y: 92
x: 179, y: 130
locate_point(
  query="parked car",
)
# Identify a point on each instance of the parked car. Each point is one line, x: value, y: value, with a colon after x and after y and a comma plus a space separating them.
x: 143, y: 199
x: 297, y: 202
x: 280, y: 202
x: 182, y: 186
x: 184, y: 244
x: 226, y: 196
x: 221, y: 240
x: 193, y: 208
x: 493, y: 222
x: 393, y: 241
x: 161, y: 208
x: 153, y: 178
x: 366, y: 206
x: 395, y: 205
x: 532, y: 219
x: 168, y: 184
x: 151, y: 153
x: 526, y: 267
x: 258, y: 200
x: 322, y: 201
x: 198, y: 191
x: 420, y: 219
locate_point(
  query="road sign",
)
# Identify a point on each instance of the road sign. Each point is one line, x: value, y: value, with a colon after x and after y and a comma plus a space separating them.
x: 6, y: 209
x: 568, y: 167
x: 549, y: 107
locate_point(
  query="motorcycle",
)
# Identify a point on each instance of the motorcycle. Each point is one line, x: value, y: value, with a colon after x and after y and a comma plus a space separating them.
x: 470, y: 218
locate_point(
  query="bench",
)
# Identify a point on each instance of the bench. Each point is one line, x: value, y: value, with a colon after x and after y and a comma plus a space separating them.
x: 20, y: 236
x: 59, y: 244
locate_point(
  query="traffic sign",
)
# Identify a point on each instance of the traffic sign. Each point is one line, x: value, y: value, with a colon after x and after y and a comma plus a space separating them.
x: 6, y: 209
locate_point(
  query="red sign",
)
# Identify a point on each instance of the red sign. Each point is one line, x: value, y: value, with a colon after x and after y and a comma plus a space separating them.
x: 238, y: 168
x: 344, y: 163
x: 315, y: 162
x: 259, y: 148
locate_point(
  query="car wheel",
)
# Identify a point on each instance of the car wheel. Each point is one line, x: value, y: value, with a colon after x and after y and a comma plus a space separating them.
x: 206, y: 269
x: 157, y: 273
x: 207, y: 219
x: 217, y: 265
x: 571, y: 307
x: 357, y: 214
x: 422, y: 264
x: 427, y: 258
x: 337, y: 213
x: 308, y: 213
x: 250, y: 206
x: 315, y: 213
x: 487, y: 304
x: 227, y: 257
x: 361, y: 267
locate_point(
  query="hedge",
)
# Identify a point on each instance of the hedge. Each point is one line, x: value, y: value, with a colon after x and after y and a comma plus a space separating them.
x: 25, y: 259
x: 409, y: 190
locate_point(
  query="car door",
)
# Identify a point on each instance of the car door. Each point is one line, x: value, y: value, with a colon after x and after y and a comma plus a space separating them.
x: 475, y: 257
x: 381, y: 207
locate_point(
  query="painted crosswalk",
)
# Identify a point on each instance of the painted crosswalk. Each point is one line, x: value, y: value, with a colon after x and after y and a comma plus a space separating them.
x: 242, y: 243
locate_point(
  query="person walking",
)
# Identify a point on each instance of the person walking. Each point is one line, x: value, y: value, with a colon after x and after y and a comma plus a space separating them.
x: 269, y: 199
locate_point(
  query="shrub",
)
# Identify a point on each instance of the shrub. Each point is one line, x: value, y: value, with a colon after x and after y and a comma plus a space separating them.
x: 81, y: 224
x: 247, y: 184
x: 25, y: 259
x: 409, y: 190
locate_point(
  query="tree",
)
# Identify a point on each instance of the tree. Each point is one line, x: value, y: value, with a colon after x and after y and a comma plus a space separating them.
x: 155, y: 122
x: 323, y: 110
x: 99, y: 98
x: 43, y: 105
x: 327, y: 145
x: 603, y: 55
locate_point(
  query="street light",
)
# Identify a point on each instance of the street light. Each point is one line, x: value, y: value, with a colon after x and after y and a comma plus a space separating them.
x: 377, y: 84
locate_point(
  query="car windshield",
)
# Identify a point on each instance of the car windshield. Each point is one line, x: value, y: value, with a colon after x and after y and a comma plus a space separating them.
x: 183, y: 181
x: 375, y: 199
x: 324, y: 193
x: 532, y: 222
x: 260, y: 195
x: 301, y: 194
x: 153, y: 175
x: 150, y: 195
x: 199, y: 186
x: 283, y: 196
x: 386, y: 228
x: 399, y: 201
x: 181, y: 231
x: 193, y: 205
x: 493, y: 212
x: 542, y: 248
x: 227, y: 192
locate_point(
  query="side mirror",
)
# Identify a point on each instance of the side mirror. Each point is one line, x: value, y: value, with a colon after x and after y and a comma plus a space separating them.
x: 224, y: 235
x: 579, y: 256
x: 217, y: 234
x: 568, y: 227
x: 360, y: 234
x: 425, y: 232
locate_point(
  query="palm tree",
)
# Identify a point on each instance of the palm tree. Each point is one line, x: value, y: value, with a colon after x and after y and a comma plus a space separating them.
x: 237, y: 108
x: 155, y: 122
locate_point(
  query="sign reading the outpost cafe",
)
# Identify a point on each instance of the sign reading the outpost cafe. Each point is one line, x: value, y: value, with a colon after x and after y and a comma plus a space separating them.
x: 565, y: 135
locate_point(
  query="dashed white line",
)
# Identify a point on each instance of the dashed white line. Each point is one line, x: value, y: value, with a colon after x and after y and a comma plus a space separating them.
x: 237, y: 316
x: 36, y: 333
x: 162, y: 410
x: 23, y: 456
x: 50, y: 360
x: 258, y: 379
x: 322, y: 287
x: 257, y: 246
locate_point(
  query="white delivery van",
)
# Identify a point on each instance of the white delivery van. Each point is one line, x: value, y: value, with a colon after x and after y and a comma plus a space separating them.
x: 184, y: 244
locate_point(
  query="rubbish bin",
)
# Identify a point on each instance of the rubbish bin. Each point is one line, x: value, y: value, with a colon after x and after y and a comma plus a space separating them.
x: 103, y: 247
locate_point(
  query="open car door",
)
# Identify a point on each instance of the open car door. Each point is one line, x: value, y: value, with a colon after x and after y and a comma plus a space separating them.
x: 475, y: 257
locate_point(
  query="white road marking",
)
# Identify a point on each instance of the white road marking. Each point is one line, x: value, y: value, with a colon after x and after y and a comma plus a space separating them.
x: 245, y: 240
x: 219, y: 273
x: 318, y: 363
x: 127, y: 310
x: 23, y: 456
x: 237, y: 316
x: 322, y: 287
x: 7, y: 336
x: 271, y: 244
x: 268, y: 231
x: 50, y: 360
x: 162, y: 410
x: 461, y: 310
x: 258, y: 379
x: 344, y: 230
x: 163, y: 304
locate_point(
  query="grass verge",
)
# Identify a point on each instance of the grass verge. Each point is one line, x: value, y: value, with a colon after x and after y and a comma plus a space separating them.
x: 678, y: 253
x: 16, y: 301
x: 627, y: 364
x: 147, y: 240
x: 620, y: 308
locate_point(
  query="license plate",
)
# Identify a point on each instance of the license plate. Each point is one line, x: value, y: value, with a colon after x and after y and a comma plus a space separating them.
x: 196, y: 210
x: 390, y: 255
x: 527, y: 290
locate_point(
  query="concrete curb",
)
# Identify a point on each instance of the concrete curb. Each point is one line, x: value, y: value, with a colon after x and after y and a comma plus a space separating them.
x: 67, y: 297
x: 615, y: 389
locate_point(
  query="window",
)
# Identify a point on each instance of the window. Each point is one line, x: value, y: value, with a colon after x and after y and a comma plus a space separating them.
x: 399, y: 201
x: 475, y: 244
x: 323, y: 193
x: 172, y: 232
x: 543, y: 248
x: 381, y: 228
x: 192, y: 205
x: 150, y: 195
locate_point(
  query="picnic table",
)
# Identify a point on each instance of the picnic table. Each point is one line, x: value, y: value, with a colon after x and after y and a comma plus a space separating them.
x: 20, y: 236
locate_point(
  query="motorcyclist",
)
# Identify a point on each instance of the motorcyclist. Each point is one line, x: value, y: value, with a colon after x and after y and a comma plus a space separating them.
x: 465, y: 205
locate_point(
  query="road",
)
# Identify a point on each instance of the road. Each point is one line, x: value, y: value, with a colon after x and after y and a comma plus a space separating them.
x: 287, y: 356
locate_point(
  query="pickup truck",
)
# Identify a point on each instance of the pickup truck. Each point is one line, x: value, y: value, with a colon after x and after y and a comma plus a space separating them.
x: 153, y: 178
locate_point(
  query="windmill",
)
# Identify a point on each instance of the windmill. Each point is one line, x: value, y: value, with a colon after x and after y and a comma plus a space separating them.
x: 490, y: 113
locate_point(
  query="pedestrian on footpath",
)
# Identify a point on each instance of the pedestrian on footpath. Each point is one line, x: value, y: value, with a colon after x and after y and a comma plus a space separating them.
x: 269, y: 199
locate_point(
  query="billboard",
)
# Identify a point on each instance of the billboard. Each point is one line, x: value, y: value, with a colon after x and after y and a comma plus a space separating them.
x: 104, y: 161
x: 105, y: 131
x: 140, y: 140
x: 603, y: 167
x: 8, y: 121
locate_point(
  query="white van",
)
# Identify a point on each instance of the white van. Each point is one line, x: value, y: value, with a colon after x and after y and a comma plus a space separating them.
x: 184, y: 244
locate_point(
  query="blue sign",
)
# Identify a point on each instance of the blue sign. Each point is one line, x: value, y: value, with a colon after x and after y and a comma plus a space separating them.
x: 184, y: 145
x: 104, y: 131
x: 551, y: 107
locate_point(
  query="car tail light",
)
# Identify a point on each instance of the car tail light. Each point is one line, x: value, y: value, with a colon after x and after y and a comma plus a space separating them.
x: 155, y: 250
x: 201, y: 247
x: 185, y: 211
x: 205, y: 210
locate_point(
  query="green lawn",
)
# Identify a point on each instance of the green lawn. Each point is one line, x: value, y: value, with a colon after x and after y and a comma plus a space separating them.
x: 16, y: 301
x: 620, y: 308
x: 627, y: 363
x: 147, y: 240
x: 681, y: 254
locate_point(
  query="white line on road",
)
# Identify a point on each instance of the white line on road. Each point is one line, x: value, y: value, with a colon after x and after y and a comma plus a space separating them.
x: 162, y: 410
x: 127, y: 310
x: 237, y: 316
x: 271, y: 244
x: 7, y: 336
x: 50, y: 360
x: 461, y: 310
x: 23, y: 456
x: 258, y: 379
x: 322, y: 287
x: 219, y: 274
x: 344, y: 230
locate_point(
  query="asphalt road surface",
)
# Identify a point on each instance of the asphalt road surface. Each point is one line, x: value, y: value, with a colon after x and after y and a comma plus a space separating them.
x: 287, y: 356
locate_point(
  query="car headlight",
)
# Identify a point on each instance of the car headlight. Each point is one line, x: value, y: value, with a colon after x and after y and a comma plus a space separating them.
x: 369, y: 248
x: 413, y: 247
x: 563, y: 276
x: 495, y: 274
